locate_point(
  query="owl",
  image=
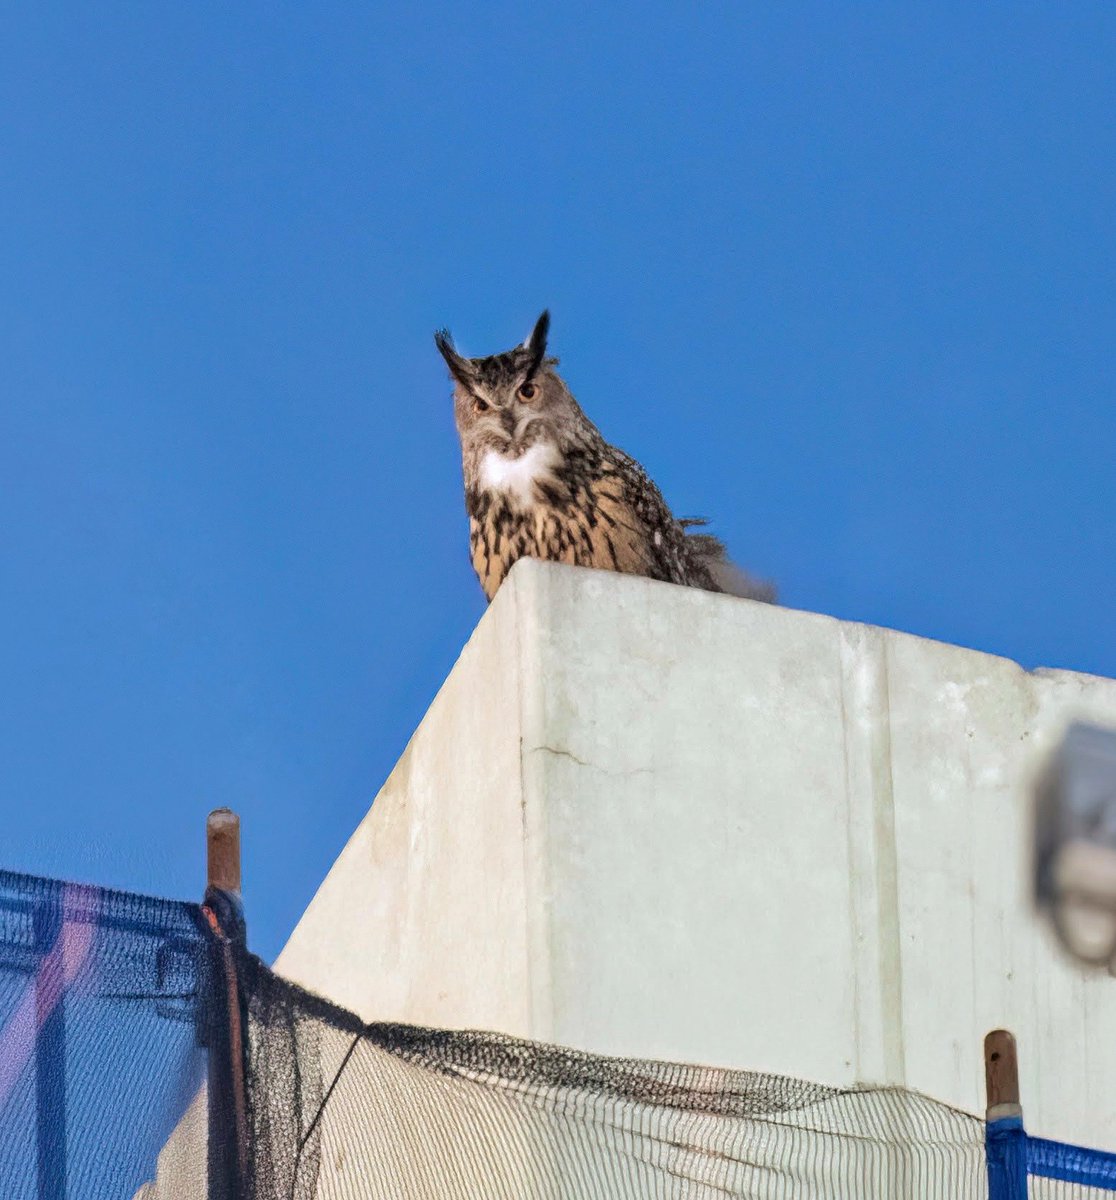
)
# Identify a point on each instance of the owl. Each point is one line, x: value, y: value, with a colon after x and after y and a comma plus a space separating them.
x: 541, y: 481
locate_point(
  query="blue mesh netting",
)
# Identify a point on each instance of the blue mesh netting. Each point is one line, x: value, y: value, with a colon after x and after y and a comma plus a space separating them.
x: 99, y: 1045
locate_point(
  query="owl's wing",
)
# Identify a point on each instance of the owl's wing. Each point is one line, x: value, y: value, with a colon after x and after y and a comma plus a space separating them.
x: 655, y: 541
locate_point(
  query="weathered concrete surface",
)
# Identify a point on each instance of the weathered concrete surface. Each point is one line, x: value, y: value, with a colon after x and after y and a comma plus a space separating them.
x: 641, y: 819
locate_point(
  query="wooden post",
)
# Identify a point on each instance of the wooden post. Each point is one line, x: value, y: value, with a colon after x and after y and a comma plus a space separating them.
x: 228, y: 1108
x: 222, y: 843
x: 1005, y: 1142
x: 1001, y: 1076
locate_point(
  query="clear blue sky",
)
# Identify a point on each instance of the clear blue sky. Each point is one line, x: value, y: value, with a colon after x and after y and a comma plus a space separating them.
x: 841, y: 276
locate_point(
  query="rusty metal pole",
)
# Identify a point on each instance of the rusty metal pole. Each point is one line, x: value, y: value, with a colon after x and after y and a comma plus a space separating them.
x: 228, y: 1108
x: 1005, y: 1142
x: 1001, y: 1076
x: 222, y: 844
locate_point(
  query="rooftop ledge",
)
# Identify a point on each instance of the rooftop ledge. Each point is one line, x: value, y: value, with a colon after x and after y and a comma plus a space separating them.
x: 643, y: 819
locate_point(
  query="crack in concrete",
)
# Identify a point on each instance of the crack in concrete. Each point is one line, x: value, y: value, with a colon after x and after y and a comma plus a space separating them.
x: 581, y: 762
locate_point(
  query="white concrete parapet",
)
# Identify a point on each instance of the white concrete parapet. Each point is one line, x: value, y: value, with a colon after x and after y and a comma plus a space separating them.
x: 642, y: 819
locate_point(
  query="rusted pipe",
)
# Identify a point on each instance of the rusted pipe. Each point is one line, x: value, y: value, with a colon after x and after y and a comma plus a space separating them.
x: 228, y: 1109
x: 1001, y: 1076
x: 222, y: 842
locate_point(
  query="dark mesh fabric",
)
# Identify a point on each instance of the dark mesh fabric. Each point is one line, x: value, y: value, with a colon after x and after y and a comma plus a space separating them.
x: 99, y: 1053
x: 345, y: 1110
x: 348, y: 1111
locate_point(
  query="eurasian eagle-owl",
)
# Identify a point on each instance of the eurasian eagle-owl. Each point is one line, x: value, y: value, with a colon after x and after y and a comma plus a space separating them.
x: 541, y: 481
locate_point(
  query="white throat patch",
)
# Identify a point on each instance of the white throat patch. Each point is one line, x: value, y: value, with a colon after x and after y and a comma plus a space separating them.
x: 516, y: 477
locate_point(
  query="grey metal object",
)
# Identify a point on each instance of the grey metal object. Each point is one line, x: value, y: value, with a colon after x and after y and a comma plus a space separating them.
x: 1075, y: 843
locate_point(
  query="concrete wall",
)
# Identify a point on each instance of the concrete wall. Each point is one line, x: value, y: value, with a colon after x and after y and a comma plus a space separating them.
x: 641, y: 819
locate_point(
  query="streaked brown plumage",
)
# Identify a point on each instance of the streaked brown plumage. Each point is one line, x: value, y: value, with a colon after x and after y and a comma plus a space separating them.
x: 540, y: 480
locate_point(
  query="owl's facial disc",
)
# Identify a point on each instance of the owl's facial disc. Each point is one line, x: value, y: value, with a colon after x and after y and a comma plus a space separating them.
x: 501, y: 402
x: 509, y: 430
x: 509, y: 408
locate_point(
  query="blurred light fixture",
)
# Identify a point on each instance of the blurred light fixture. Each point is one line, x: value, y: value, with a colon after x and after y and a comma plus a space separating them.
x: 1075, y: 843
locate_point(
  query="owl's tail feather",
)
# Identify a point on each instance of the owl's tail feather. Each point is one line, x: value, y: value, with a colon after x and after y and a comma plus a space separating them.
x: 728, y: 577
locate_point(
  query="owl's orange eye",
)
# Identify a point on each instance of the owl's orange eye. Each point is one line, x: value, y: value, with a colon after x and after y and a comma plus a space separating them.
x: 528, y: 392
x: 480, y: 405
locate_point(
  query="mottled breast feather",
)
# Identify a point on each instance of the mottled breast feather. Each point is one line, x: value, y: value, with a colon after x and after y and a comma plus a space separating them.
x: 599, y: 509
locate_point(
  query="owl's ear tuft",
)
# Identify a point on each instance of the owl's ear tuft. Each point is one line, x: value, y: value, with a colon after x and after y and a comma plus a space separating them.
x: 458, y: 366
x: 535, y: 345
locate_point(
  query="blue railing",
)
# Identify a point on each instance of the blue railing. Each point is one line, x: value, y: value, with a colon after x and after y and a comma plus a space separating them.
x: 1014, y: 1157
